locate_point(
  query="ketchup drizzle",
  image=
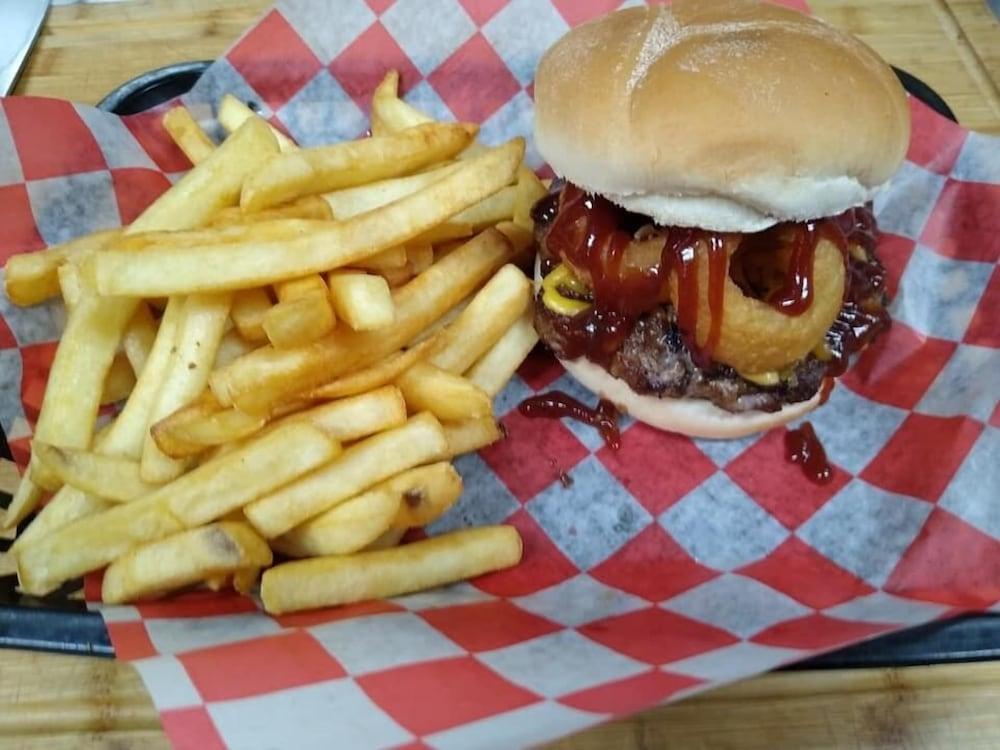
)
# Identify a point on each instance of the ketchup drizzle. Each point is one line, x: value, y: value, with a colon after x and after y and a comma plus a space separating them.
x: 804, y: 448
x: 558, y: 404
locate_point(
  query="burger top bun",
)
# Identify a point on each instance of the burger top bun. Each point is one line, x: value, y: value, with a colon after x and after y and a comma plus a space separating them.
x: 729, y: 115
x: 687, y: 416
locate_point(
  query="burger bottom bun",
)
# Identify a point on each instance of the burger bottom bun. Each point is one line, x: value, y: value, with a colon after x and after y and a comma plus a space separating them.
x: 689, y: 416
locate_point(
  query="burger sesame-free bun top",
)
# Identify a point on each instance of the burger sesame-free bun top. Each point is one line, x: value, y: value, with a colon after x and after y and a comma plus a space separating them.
x: 729, y: 115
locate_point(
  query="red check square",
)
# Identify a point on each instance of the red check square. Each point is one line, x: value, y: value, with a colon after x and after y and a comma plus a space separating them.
x: 540, y: 369
x: 899, y: 367
x: 983, y: 329
x: 274, y: 60
x: 817, y: 632
x: 580, y: 11
x: 198, y: 604
x: 657, y: 467
x: 629, y: 568
x: 260, y: 665
x: 535, y: 453
x: 923, y: 455
x: 631, y: 694
x: 364, y: 63
x: 474, y: 82
x: 656, y: 636
x: 894, y: 251
x: 135, y: 189
x: 797, y: 570
x: 51, y: 139
x: 191, y: 729
x: 965, y: 223
x: 482, y: 11
x: 333, y: 614
x: 7, y: 340
x: 482, y: 626
x: 20, y: 234
x: 379, y: 6
x: 780, y: 486
x: 130, y: 640
x: 935, y: 141
x: 436, y: 695
x: 542, y: 563
x: 950, y: 562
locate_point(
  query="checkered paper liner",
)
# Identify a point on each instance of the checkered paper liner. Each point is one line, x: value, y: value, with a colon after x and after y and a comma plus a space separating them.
x: 663, y: 569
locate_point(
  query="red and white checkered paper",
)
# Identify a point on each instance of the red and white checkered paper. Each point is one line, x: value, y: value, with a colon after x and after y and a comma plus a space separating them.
x: 665, y: 568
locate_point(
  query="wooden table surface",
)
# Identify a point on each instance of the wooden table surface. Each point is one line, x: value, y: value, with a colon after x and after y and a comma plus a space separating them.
x: 57, y: 702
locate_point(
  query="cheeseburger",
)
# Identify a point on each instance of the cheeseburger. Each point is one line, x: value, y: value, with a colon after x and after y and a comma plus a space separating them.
x: 706, y: 258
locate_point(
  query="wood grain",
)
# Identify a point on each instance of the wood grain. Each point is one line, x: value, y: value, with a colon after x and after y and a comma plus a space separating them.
x: 58, y: 702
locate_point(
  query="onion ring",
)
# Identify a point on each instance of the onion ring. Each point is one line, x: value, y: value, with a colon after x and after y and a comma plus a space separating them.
x: 755, y: 337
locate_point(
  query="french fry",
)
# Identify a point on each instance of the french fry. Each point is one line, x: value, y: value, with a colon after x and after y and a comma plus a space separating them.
x: 232, y: 346
x: 492, y: 311
x: 299, y: 321
x: 249, y: 308
x: 361, y: 300
x: 489, y: 211
x: 71, y: 285
x: 192, y: 356
x: 187, y: 134
x: 171, y: 432
x: 497, y: 366
x: 390, y: 114
x: 381, y: 373
x: 91, y: 542
x: 225, y: 426
x: 245, y: 580
x: 233, y: 113
x: 119, y: 381
x: 302, y: 287
x: 268, y: 376
x: 307, y: 207
x: 234, y: 479
x: 138, y: 339
x: 419, y: 257
x: 397, y: 277
x: 67, y: 505
x: 182, y: 269
x: 325, y: 168
x: 425, y: 493
x: 362, y: 465
x: 521, y: 239
x: 468, y: 435
x: 30, y: 278
x: 392, y: 257
x: 329, y: 581
x: 390, y: 538
x: 107, y: 477
x: 350, y: 202
x: 352, y: 418
x: 445, y: 395
x: 345, y: 528
x: 183, y: 559
x: 530, y: 190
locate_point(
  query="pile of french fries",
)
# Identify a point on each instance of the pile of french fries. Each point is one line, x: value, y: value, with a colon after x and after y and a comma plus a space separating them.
x: 301, y: 339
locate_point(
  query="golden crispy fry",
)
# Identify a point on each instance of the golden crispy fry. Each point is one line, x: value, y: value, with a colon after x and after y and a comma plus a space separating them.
x: 67, y: 505
x: 268, y: 376
x: 301, y: 287
x: 530, y: 190
x: 496, y: 367
x: 397, y: 277
x: 389, y: 113
x: 187, y: 134
x: 426, y: 493
x: 361, y: 300
x: 245, y: 580
x: 30, y: 278
x: 352, y: 418
x: 489, y: 211
x: 71, y: 284
x: 381, y: 373
x: 249, y: 308
x: 139, y: 337
x: 119, y: 381
x: 234, y: 479
x: 328, y: 581
x: 357, y: 200
x: 392, y: 257
x: 419, y: 256
x: 345, y: 528
x: 182, y: 268
x: 170, y: 433
x: 390, y: 538
x: 226, y: 426
x: 183, y: 559
x: 325, y: 168
x: 232, y: 346
x: 362, y: 465
x: 445, y: 395
x: 233, y: 113
x: 307, y: 207
x: 192, y: 356
x: 522, y: 240
x: 488, y: 316
x: 299, y: 321
x: 108, y: 477
x: 467, y: 435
